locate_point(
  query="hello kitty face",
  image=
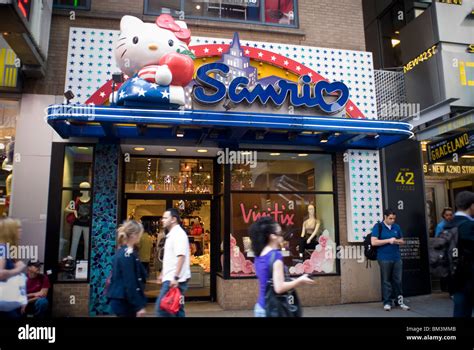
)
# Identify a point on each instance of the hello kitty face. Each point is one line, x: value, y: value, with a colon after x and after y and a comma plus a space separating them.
x: 141, y: 44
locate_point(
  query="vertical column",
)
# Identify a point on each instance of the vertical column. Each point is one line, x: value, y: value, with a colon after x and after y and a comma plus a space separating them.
x: 104, y: 223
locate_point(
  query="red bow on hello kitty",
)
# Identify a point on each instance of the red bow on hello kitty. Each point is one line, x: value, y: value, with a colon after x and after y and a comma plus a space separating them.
x: 167, y: 22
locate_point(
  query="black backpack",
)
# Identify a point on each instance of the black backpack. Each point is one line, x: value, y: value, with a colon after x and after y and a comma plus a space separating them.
x: 370, y: 251
x: 443, y: 253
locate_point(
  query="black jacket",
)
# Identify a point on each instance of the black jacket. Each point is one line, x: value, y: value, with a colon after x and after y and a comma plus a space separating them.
x: 464, y: 278
x: 128, y: 279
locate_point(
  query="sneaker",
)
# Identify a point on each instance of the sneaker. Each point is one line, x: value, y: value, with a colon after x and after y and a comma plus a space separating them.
x: 404, y: 307
x: 387, y: 307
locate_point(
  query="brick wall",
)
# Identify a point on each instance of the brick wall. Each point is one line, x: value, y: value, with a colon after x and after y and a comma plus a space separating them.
x: 324, y: 23
x: 65, y: 306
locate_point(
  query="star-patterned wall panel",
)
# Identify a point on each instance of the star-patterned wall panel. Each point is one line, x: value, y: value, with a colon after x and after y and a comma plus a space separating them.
x: 91, y: 62
x: 363, y: 192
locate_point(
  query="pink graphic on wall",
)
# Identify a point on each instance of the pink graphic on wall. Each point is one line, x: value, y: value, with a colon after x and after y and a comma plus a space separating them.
x: 238, y: 264
x: 321, y: 260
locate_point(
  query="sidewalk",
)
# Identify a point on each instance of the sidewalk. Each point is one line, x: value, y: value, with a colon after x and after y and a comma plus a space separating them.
x: 432, y: 305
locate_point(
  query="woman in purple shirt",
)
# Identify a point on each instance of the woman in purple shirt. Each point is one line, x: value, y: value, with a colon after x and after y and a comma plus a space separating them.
x: 266, y: 238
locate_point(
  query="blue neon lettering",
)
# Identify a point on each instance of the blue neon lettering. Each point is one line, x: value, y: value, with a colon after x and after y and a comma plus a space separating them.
x: 309, y: 96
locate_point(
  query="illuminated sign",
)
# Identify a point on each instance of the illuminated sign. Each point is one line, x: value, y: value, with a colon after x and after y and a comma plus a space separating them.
x: 447, y: 148
x: 463, y: 74
x: 302, y: 93
x: 24, y: 6
x: 424, y: 56
x: 8, y: 69
x: 442, y: 169
x: 452, y: 2
x: 470, y: 48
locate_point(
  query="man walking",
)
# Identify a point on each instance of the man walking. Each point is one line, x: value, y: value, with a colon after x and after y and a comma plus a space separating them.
x: 462, y: 283
x: 176, y: 263
x: 387, y: 236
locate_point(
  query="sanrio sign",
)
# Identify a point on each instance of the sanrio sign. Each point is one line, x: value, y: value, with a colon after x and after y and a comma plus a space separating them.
x: 301, y: 94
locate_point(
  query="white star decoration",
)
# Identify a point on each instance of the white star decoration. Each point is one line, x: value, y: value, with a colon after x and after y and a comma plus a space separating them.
x: 102, y: 94
x: 274, y: 58
x: 165, y: 94
x: 141, y: 92
x: 286, y: 63
x: 260, y: 54
x: 298, y: 68
x: 219, y: 49
x: 351, y: 108
x: 154, y: 86
x: 206, y: 50
x: 247, y: 52
x: 121, y: 94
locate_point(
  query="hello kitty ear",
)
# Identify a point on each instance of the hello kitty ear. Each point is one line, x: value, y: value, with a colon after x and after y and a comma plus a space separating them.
x: 128, y: 23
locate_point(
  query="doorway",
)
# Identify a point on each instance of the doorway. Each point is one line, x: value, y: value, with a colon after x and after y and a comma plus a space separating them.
x: 196, y: 217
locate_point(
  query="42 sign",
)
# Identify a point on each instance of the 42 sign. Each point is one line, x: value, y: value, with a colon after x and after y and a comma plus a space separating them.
x: 405, y: 178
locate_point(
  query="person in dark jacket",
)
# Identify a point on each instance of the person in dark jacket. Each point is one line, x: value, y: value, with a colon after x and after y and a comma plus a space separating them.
x: 127, y: 285
x: 462, y: 284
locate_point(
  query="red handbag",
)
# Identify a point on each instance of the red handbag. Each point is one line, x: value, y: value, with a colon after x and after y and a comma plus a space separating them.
x: 170, y: 302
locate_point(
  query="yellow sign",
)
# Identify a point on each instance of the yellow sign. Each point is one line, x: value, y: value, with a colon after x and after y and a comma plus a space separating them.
x: 453, y: 2
x: 470, y: 48
x: 442, y: 169
x: 8, y: 70
x: 424, y: 56
x: 405, y: 178
x: 449, y: 147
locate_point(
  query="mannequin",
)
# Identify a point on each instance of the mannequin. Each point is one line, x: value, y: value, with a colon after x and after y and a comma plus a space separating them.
x: 310, y: 229
x: 82, y: 211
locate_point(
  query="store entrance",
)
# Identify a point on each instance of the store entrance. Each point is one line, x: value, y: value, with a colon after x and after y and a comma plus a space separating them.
x: 195, y: 211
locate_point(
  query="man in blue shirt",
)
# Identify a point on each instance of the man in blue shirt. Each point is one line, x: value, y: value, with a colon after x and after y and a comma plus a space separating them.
x: 387, y: 236
x: 447, y: 216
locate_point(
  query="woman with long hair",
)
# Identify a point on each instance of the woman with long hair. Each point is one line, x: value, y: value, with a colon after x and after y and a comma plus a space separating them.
x: 10, y: 234
x: 127, y: 285
x: 266, y: 238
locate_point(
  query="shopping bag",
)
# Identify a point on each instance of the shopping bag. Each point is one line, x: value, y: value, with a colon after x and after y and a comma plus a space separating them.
x: 13, y: 293
x: 170, y: 302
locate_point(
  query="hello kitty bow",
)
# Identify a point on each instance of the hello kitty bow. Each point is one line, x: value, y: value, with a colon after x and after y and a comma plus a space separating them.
x: 168, y: 22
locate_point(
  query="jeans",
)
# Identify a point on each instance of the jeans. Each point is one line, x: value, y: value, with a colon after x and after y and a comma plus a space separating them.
x: 462, y: 304
x: 39, y: 308
x: 391, y: 276
x: 259, y: 311
x: 14, y: 314
x: 165, y: 287
x: 122, y: 308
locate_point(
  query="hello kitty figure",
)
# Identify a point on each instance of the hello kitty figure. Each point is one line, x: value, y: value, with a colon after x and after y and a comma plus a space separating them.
x: 157, y: 59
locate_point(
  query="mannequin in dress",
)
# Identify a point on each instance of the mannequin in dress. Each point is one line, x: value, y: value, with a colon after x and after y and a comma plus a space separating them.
x: 82, y: 211
x: 310, y: 229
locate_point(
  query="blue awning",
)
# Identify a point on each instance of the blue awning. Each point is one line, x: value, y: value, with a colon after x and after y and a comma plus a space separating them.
x: 327, y: 132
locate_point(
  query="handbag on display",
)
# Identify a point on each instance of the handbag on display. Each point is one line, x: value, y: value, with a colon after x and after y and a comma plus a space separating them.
x: 281, y: 305
x: 13, y: 293
x: 170, y: 301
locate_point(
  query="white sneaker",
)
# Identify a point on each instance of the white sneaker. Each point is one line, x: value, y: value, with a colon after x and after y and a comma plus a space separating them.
x: 387, y: 307
x: 404, y: 307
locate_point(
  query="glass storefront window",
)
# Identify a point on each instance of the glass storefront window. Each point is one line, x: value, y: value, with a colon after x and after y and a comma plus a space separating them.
x: 169, y: 175
x: 275, y: 12
x: 73, y: 4
x: 284, y: 172
x: 74, y: 240
x: 9, y: 111
x: 294, y: 213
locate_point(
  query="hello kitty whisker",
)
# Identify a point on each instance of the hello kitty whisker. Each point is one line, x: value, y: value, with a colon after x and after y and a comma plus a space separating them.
x: 123, y: 53
x: 122, y: 38
x: 120, y: 46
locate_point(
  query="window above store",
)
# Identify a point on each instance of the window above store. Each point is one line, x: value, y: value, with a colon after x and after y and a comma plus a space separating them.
x: 73, y: 4
x: 267, y: 12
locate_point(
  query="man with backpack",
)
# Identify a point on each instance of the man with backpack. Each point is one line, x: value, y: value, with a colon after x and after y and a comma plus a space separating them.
x: 387, y: 236
x: 462, y: 283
